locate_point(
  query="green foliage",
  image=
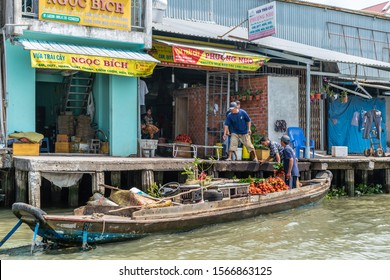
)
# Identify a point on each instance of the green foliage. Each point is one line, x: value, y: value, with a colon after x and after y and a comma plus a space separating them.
x: 360, y: 190
x: 336, y: 192
x: 278, y: 166
x: 153, y: 190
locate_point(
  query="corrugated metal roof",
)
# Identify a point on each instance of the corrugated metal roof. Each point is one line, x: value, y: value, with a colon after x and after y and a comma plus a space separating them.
x: 94, y: 51
x: 214, y: 31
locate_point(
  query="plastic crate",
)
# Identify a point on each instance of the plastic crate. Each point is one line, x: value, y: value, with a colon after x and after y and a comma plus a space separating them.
x: 235, y: 190
x: 193, y: 196
x: 148, y: 144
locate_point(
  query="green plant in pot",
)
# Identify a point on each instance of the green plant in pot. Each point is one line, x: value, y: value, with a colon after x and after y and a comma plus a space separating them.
x: 258, y: 93
x: 344, y: 96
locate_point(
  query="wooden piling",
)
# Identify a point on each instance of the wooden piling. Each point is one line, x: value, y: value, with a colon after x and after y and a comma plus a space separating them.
x: 387, y: 180
x: 116, y: 179
x: 350, y: 181
x: 97, y: 181
x: 73, y: 195
x: 21, y: 185
x: 147, y: 179
x: 9, y: 187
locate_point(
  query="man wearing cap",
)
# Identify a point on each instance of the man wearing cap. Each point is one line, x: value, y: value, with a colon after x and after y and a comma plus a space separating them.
x: 227, y: 113
x: 289, y: 163
x: 238, y: 124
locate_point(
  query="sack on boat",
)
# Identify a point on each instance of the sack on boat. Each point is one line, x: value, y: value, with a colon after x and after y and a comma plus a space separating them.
x: 99, y: 199
x: 129, y: 198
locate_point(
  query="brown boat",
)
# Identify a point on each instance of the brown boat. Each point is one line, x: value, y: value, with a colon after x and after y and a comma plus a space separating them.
x: 102, y: 224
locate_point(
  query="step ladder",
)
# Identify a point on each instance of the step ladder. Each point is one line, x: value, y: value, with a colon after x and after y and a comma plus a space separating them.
x: 78, y: 89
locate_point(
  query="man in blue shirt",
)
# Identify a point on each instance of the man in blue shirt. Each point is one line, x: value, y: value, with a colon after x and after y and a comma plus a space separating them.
x: 289, y: 163
x: 238, y: 124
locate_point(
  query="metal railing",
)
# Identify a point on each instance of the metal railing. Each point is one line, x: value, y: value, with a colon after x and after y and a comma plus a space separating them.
x: 30, y: 10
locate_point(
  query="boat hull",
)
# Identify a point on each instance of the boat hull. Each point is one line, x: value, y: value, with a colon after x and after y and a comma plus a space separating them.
x: 104, y: 228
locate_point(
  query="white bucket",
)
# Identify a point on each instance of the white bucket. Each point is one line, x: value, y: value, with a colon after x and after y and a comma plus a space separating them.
x: 239, y: 154
x: 148, y: 153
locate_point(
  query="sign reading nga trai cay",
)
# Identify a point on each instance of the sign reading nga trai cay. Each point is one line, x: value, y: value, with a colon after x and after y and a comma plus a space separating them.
x: 113, y: 14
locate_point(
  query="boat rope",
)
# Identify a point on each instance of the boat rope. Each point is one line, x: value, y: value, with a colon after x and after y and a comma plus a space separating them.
x: 34, y: 237
x: 12, y: 231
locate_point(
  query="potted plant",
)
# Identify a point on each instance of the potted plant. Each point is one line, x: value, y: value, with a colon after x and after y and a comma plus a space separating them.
x: 317, y: 95
x: 327, y: 91
x: 257, y: 94
x: 248, y: 94
x: 262, y: 152
x: 344, y: 96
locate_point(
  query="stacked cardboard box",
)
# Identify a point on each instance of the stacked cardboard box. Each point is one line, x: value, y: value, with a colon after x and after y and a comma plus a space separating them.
x: 65, y: 124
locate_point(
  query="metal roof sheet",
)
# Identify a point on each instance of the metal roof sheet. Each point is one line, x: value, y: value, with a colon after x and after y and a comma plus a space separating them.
x: 77, y: 49
x: 209, y: 30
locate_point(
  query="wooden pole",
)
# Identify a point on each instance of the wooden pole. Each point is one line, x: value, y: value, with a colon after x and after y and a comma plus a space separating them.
x: 34, y: 188
x: 350, y: 181
x: 21, y: 185
x: 73, y: 196
x: 116, y: 178
x: 9, y: 187
x: 364, y: 174
x: 147, y: 179
x: 97, y: 180
x: 387, y: 180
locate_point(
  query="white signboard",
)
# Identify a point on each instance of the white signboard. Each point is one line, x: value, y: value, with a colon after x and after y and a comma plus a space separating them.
x: 262, y: 21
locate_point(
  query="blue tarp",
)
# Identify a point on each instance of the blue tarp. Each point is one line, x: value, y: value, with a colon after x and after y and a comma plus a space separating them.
x: 342, y: 133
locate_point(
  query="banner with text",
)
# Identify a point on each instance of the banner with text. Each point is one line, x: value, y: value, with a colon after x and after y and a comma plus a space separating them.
x: 96, y: 64
x: 113, y: 14
x: 199, y: 58
x: 262, y: 21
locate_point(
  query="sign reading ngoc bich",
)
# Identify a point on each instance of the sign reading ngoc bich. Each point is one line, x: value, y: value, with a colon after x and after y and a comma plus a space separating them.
x: 113, y: 14
x: 262, y: 21
x: 90, y: 63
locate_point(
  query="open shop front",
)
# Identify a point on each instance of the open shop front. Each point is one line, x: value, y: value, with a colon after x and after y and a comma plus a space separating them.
x: 189, y: 93
x: 82, y: 99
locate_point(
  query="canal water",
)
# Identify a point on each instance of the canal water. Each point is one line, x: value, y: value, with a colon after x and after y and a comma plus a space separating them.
x: 337, y: 229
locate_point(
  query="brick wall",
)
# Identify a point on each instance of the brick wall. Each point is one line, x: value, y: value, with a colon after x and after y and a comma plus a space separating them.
x: 256, y: 109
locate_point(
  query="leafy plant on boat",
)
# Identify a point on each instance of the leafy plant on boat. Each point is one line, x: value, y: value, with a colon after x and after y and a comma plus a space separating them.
x: 153, y: 190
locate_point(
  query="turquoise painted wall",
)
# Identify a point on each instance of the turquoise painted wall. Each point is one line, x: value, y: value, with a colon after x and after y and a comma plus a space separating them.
x: 101, y: 98
x: 20, y: 90
x: 123, y: 115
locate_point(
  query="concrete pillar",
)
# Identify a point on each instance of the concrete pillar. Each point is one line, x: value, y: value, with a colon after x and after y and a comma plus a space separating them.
x: 147, y: 179
x: 73, y: 196
x: 116, y: 179
x: 387, y: 181
x: 34, y: 188
x: 350, y: 182
x: 97, y: 179
x: 21, y: 185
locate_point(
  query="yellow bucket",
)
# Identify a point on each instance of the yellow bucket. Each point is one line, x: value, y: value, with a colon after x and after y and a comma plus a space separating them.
x: 104, y: 149
x: 245, y: 153
x: 218, y: 152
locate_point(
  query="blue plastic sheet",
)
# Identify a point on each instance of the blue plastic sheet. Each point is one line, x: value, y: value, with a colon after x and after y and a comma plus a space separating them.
x: 342, y: 133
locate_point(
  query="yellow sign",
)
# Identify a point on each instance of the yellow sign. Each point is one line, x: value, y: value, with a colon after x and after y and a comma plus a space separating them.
x: 113, y: 14
x: 88, y: 63
x: 228, y: 59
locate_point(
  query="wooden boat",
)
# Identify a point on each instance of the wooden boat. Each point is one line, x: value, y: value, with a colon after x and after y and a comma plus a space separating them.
x: 102, y: 224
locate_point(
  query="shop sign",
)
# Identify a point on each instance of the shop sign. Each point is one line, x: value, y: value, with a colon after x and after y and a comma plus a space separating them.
x: 113, y: 14
x: 88, y: 63
x: 197, y: 57
x: 262, y: 21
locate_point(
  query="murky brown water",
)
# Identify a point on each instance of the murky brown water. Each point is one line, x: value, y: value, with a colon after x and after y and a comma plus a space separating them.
x: 346, y: 229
